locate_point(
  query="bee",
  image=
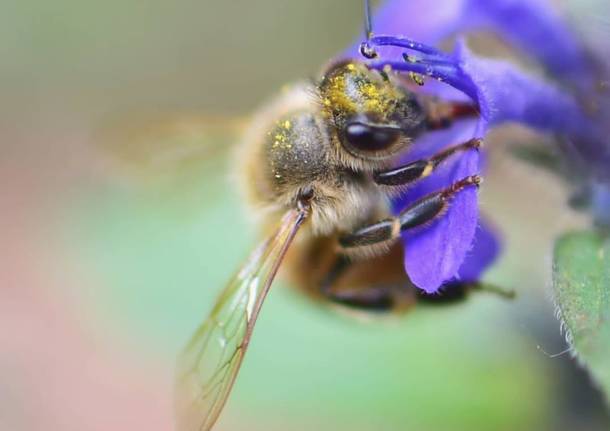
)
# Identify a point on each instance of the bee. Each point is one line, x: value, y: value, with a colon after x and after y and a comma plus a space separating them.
x: 317, y: 165
x: 319, y: 161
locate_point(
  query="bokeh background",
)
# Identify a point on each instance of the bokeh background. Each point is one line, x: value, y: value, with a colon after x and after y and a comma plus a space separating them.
x: 113, y: 249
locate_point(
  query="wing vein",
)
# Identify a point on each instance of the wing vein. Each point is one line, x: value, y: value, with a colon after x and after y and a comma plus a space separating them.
x: 209, y: 364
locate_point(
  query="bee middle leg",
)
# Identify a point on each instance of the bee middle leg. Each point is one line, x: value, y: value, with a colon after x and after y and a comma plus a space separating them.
x: 376, y: 284
x: 419, y: 213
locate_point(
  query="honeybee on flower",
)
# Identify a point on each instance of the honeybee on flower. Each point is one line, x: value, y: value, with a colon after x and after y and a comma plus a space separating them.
x: 366, y: 178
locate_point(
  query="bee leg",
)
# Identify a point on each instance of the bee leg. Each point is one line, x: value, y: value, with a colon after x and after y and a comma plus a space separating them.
x: 339, y: 267
x: 458, y: 291
x: 378, y: 298
x: 419, y: 213
x: 322, y: 271
x: 358, y: 285
x: 421, y: 168
x: 491, y: 288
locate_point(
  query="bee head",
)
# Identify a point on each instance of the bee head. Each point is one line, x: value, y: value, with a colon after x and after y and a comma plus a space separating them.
x: 373, y: 116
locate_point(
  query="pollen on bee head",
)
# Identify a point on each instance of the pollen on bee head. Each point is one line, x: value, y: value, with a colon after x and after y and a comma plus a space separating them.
x: 371, y: 91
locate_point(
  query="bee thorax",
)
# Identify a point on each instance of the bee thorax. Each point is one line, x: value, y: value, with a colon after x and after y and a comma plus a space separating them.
x: 288, y: 151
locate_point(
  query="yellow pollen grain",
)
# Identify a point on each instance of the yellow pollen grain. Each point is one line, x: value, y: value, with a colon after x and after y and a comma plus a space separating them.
x: 427, y: 170
x: 351, y: 67
x: 287, y: 124
x: 370, y: 90
x: 395, y: 228
x: 337, y: 97
x: 373, y: 105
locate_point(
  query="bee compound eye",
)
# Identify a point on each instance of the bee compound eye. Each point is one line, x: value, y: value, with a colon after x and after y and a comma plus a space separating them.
x: 368, y: 138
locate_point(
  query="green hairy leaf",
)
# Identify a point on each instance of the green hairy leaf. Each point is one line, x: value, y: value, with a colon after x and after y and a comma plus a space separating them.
x: 581, y: 280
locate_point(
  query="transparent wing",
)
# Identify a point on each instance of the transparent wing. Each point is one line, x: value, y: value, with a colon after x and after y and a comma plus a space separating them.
x: 209, y: 364
x: 166, y: 148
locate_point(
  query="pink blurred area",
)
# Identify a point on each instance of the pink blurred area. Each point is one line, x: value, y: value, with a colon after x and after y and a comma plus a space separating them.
x: 56, y: 371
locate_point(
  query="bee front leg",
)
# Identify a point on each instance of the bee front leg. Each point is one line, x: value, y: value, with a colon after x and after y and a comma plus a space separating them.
x: 422, y: 168
x: 419, y: 213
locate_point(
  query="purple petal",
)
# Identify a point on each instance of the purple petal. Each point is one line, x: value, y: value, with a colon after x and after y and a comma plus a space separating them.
x: 503, y: 92
x: 434, y: 253
x: 537, y: 29
x: 507, y: 94
x: 485, y: 249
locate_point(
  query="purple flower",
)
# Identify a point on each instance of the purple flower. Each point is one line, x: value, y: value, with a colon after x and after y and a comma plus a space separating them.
x: 457, y: 246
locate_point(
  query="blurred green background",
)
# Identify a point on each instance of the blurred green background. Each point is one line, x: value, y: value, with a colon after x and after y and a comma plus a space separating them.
x: 105, y: 274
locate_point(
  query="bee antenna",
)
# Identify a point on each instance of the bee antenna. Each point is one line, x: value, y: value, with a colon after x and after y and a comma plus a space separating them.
x: 368, y: 24
x: 365, y: 49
